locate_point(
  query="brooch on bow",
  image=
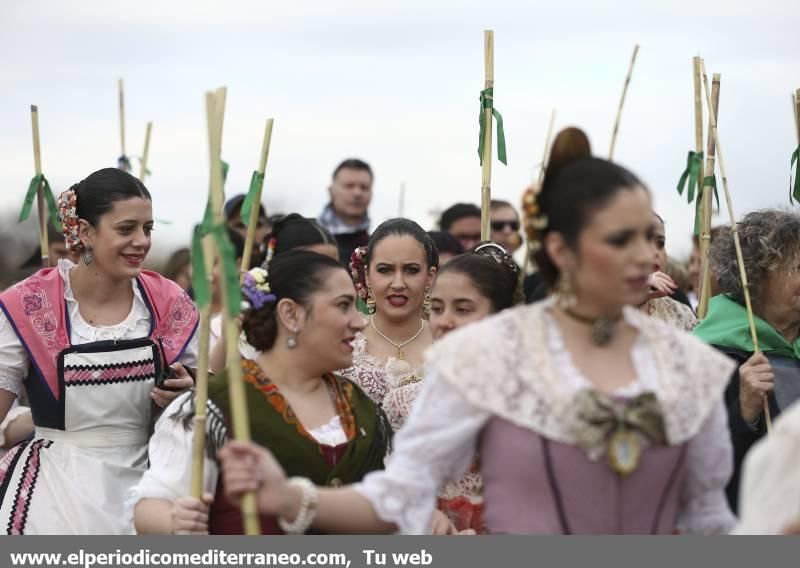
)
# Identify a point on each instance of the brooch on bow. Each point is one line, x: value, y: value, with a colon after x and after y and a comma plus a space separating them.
x: 618, y: 425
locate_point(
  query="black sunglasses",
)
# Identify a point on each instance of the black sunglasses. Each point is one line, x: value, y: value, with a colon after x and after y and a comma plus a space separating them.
x: 500, y: 225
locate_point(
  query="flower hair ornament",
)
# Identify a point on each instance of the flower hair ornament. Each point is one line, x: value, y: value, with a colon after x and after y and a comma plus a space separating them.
x: 534, y: 220
x: 68, y: 217
x: 256, y: 291
x: 358, y: 272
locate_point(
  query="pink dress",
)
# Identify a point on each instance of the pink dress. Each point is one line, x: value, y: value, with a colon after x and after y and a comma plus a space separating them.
x: 506, y: 388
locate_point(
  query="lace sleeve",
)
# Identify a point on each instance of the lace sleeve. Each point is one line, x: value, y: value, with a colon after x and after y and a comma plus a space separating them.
x: 398, y: 402
x: 704, y: 507
x: 437, y: 443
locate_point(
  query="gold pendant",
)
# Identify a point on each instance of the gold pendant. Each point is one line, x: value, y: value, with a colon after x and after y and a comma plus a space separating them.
x: 624, y: 452
x: 400, y: 354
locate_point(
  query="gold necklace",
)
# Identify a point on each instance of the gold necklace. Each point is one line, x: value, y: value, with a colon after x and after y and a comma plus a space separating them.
x: 399, y: 346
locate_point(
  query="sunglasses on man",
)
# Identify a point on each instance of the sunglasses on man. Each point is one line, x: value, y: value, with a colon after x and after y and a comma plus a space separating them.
x: 501, y: 225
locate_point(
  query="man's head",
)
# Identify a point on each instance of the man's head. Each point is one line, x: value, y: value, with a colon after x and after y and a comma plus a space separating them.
x: 505, y: 225
x: 463, y: 221
x: 351, y: 190
x: 233, y: 218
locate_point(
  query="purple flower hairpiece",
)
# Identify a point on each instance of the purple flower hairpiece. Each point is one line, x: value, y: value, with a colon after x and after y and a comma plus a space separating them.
x: 256, y: 290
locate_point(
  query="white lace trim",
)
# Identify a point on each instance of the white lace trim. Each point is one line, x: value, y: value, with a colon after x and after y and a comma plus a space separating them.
x: 12, y: 385
x: 499, y: 365
x: 330, y: 434
x: 672, y: 312
x: 137, y: 318
x: 375, y: 375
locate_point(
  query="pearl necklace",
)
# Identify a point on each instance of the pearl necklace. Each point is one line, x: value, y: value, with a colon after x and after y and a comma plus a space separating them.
x: 398, y: 346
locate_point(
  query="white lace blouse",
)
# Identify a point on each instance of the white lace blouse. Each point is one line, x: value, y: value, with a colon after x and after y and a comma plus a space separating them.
x: 440, y: 438
x: 14, y: 361
x: 375, y: 376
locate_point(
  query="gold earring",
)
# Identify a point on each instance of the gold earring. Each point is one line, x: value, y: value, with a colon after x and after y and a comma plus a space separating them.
x: 370, y: 300
x: 565, y: 291
x: 426, y: 304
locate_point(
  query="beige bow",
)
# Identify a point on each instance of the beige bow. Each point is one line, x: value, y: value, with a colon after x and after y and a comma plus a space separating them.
x: 600, y: 415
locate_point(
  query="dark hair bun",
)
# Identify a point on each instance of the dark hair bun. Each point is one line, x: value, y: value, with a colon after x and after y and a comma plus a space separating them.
x: 576, y: 186
x: 570, y: 145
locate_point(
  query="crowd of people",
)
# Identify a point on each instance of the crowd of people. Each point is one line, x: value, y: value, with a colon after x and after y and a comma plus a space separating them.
x: 404, y: 380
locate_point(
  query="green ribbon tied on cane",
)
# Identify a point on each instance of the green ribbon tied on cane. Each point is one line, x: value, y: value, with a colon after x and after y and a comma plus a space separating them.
x: 40, y: 181
x: 208, y: 216
x: 487, y: 101
x: 795, y: 191
x: 694, y: 165
x: 708, y: 181
x: 230, y: 272
x: 256, y: 183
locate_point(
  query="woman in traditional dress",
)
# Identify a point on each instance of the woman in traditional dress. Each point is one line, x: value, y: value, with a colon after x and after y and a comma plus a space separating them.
x: 588, y: 416
x: 394, y: 275
x: 468, y: 289
x: 659, y: 304
x: 292, y: 232
x: 89, y: 343
x: 771, y: 255
x: 302, y: 320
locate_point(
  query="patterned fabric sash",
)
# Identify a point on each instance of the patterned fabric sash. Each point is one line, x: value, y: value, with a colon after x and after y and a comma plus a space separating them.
x: 274, y: 425
x: 36, y: 309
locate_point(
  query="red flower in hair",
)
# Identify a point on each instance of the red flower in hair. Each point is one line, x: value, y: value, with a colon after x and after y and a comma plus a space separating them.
x: 357, y: 272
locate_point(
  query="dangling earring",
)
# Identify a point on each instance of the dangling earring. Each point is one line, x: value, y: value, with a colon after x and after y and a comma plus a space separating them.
x: 426, y: 304
x: 370, y: 301
x: 291, y: 343
x: 565, y: 291
x: 87, y: 256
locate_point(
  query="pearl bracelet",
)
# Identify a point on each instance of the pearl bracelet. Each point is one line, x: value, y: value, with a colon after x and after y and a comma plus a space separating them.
x: 308, y: 507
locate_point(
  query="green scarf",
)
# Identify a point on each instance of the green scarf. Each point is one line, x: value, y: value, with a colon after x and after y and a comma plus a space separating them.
x: 726, y: 325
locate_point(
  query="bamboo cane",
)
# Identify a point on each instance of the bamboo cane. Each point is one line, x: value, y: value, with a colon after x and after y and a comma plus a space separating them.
x: 622, y: 103
x: 44, y: 241
x: 120, y: 88
x: 215, y: 108
x: 698, y: 112
x: 255, y: 210
x: 146, y: 151
x: 705, y: 207
x: 796, y: 109
x: 486, y: 177
x: 547, y: 142
x: 201, y: 382
x: 734, y: 229
x: 540, y: 180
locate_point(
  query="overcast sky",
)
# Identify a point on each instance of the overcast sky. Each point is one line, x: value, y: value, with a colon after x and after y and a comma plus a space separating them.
x: 394, y: 83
